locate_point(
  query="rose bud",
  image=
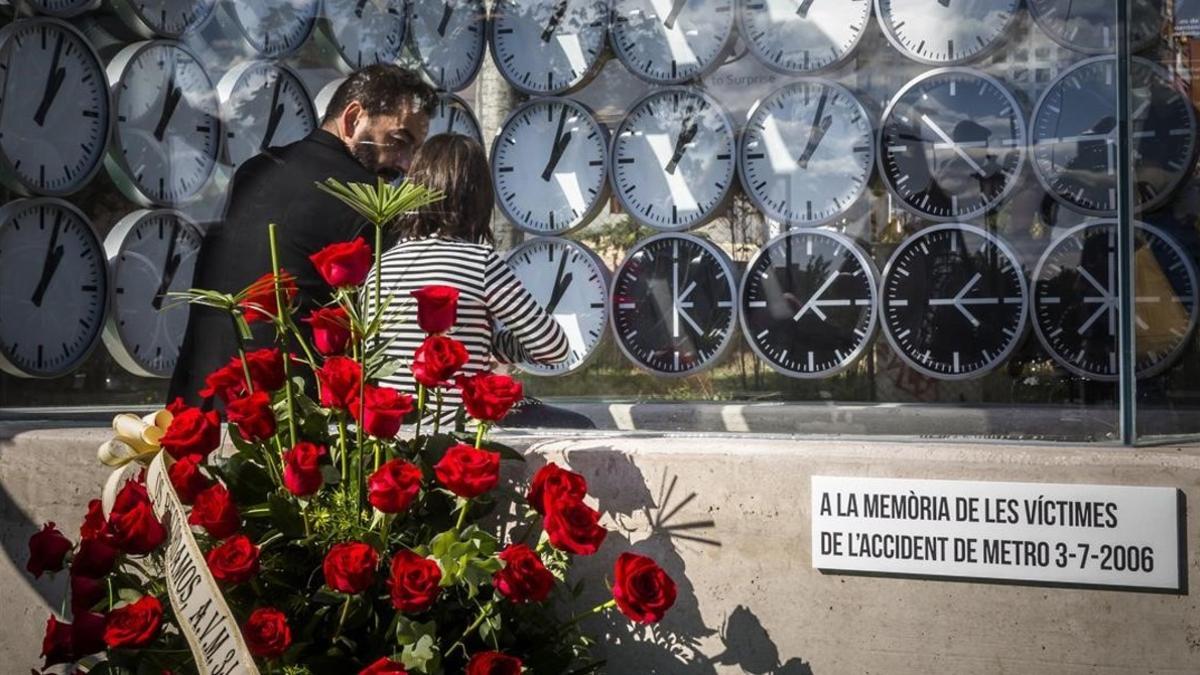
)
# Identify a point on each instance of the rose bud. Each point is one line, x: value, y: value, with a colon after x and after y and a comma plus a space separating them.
x: 340, y: 379
x: 642, y: 589
x: 551, y: 482
x: 523, y: 578
x: 302, y: 469
x: 258, y: 299
x: 94, y: 523
x: 266, y: 368
x: 267, y: 632
x: 215, y: 511
x: 234, y: 560
x: 94, y: 559
x: 489, y: 397
x: 56, y: 643
x: 437, y: 308
x: 384, y: 666
x: 134, y: 625
x: 468, y: 472
x: 85, y: 593
x: 87, y: 633
x: 192, y: 432
x: 134, y: 528
x: 330, y: 330
x: 394, y: 486
x: 384, y: 410
x: 437, y: 360
x: 414, y: 582
x: 187, y: 479
x: 344, y: 263
x: 494, y: 663
x: 47, y: 549
x: 226, y: 383
x: 573, y: 526
x: 350, y: 567
x: 253, y: 416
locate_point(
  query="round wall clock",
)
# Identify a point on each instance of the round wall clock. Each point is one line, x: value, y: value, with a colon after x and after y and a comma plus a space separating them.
x: 1075, y: 304
x: 1089, y: 26
x: 55, y: 110
x: 570, y: 283
x: 150, y: 254
x: 58, y: 8
x: 808, y: 303
x: 453, y: 116
x: 791, y: 36
x: 168, y: 131
x: 1074, y: 136
x: 954, y: 301
x: 53, y: 288
x: 275, y: 28
x: 807, y: 152
x: 946, y: 32
x: 170, y: 19
x: 325, y: 95
x: 549, y: 164
x: 264, y: 105
x: 672, y: 159
x: 449, y: 39
x: 673, y: 304
x: 548, y: 47
x: 952, y: 144
x: 366, y: 31
x: 671, y: 42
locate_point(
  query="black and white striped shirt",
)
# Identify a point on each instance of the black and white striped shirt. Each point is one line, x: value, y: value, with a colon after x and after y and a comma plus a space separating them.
x: 489, y: 292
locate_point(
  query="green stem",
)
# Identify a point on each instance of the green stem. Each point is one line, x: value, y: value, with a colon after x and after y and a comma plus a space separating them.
x: 378, y: 266
x: 420, y: 413
x: 110, y: 594
x: 361, y: 356
x: 281, y: 334
x: 462, y: 516
x: 483, y: 614
x: 342, y: 618
x: 604, y: 606
x: 241, y: 350
x: 479, y: 432
x: 437, y: 420
x: 342, y: 450
x: 378, y: 454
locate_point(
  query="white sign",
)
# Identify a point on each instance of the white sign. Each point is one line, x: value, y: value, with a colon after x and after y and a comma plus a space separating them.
x: 1070, y: 534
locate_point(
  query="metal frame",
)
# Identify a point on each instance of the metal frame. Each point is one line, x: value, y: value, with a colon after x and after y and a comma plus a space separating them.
x: 411, y: 42
x: 499, y: 7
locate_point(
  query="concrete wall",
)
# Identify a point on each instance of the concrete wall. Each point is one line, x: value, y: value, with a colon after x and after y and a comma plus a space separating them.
x: 728, y: 517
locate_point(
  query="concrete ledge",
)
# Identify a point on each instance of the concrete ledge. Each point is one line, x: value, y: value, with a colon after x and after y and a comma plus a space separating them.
x: 728, y: 516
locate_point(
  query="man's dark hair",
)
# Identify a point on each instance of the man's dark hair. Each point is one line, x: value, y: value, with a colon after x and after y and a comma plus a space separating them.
x: 381, y: 89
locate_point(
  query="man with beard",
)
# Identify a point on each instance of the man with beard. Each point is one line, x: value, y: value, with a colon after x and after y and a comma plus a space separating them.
x: 375, y: 122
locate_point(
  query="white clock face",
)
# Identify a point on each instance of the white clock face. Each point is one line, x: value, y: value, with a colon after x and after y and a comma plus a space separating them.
x: 151, y: 254
x: 164, y: 18
x: 1089, y: 26
x: 453, y: 116
x: 168, y: 132
x: 946, y: 31
x: 807, y: 152
x: 60, y: 8
x: 671, y: 41
x: 548, y: 47
x: 53, y: 288
x: 570, y: 283
x: 275, y: 28
x: 448, y: 38
x: 55, y: 113
x: 367, y: 31
x: 549, y: 164
x: 798, y: 36
x: 264, y: 105
x: 672, y: 159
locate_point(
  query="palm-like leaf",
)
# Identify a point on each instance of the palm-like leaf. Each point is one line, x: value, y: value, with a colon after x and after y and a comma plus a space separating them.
x: 383, y: 202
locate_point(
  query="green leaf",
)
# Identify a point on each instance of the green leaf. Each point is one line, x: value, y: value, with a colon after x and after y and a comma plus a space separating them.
x: 505, y: 451
x: 285, y: 515
x: 422, y: 655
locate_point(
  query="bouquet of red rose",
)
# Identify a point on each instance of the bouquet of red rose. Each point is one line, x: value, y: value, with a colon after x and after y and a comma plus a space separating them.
x: 327, y: 542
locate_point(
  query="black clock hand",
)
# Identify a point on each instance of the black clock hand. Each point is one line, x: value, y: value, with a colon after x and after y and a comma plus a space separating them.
x: 685, y: 137
x: 170, y: 265
x: 450, y: 122
x: 561, y: 282
x: 944, y: 3
x: 555, y: 19
x: 556, y: 150
x: 170, y: 102
x: 276, y: 116
x: 54, y: 254
x: 820, y: 125
x: 447, y: 10
x: 54, y: 80
x: 804, y: 7
x: 676, y: 8
x: 358, y: 8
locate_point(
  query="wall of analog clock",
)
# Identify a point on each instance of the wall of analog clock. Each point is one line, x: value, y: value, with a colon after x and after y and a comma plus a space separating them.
x: 810, y: 202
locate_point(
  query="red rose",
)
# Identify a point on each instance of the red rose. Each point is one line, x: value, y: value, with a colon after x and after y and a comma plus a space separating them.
x: 384, y: 410
x: 253, y: 416
x: 573, y: 526
x: 384, y: 666
x: 134, y: 528
x: 215, y: 511
x: 87, y: 633
x: 56, y: 644
x: 302, y: 468
x: 551, y: 482
x: 192, y: 432
x: 266, y: 368
x: 234, y: 560
x: 344, y: 263
x: 437, y: 360
x: 494, y: 663
x: 226, y: 383
x: 94, y: 524
x: 258, y: 300
x: 523, y: 578
x: 437, y: 308
x: 350, y: 567
x: 95, y: 558
x: 489, y: 397
x: 177, y: 406
x: 642, y: 589
x: 47, y: 549
x: 85, y: 593
x: 468, y: 472
x: 414, y: 582
x: 394, y: 486
x: 340, y: 379
x: 330, y: 330
x: 187, y: 479
x: 267, y: 632
x: 134, y: 625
